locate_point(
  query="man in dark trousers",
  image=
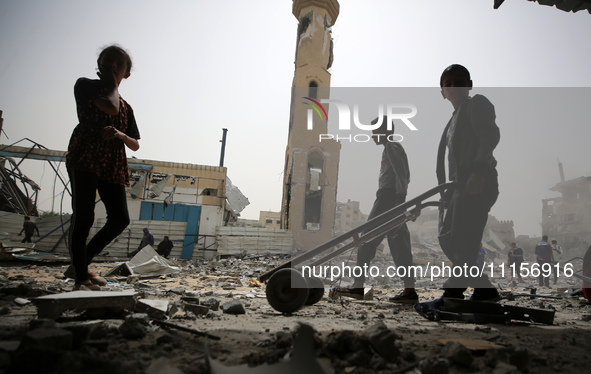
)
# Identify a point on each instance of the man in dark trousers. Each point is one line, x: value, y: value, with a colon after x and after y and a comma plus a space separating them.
x: 544, y: 255
x: 393, y: 184
x: 29, y: 228
x: 470, y: 137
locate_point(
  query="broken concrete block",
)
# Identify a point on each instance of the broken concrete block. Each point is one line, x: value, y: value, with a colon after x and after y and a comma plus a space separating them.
x: 178, y: 291
x: 198, y: 310
x: 81, y: 331
x: 212, y: 303
x: 458, y: 354
x: 52, y: 306
x: 47, y: 338
x: 382, y: 340
x: 190, y: 299
x: 233, y: 307
x: 434, y: 365
x: 156, y: 309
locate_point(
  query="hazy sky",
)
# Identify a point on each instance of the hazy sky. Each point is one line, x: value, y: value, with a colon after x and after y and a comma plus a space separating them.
x: 200, y: 66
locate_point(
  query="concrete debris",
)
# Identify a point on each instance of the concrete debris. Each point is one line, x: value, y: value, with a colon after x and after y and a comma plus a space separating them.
x: 156, y: 309
x: 176, y: 316
x: 458, y: 354
x: 383, y: 341
x: 148, y: 262
x: 52, y: 306
x: 303, y: 359
x: 233, y: 307
x: 198, y: 310
x: 134, y: 327
x: 434, y: 365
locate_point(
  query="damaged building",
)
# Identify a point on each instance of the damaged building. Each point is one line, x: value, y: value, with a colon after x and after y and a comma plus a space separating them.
x: 567, y: 218
x: 186, y: 202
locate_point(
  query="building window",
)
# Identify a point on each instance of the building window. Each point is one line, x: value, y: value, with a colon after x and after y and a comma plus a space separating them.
x: 313, y: 90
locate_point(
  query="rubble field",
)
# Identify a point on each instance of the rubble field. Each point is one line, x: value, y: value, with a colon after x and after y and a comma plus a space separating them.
x: 213, y: 317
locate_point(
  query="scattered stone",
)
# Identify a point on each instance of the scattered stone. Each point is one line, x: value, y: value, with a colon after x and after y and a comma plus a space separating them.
x: 434, y: 365
x: 81, y: 331
x: 190, y: 299
x: 178, y: 291
x: 155, y: 309
x: 382, y: 340
x: 233, y: 307
x: 21, y: 302
x: 198, y: 310
x: 212, y: 303
x: 458, y: 354
x: 586, y: 317
x: 5, y: 310
x: 47, y: 338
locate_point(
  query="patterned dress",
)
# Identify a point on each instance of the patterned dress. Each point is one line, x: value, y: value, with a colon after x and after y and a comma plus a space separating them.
x: 88, y: 151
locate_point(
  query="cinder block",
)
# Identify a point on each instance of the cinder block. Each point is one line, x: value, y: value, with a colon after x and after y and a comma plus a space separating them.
x: 52, y: 306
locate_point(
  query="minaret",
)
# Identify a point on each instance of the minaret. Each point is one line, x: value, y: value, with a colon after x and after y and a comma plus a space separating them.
x: 311, y: 165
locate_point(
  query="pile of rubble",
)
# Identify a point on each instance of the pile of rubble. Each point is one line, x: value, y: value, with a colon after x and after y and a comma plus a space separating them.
x: 213, y: 317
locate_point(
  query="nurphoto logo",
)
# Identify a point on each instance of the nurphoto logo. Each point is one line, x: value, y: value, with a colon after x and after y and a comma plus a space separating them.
x: 400, y: 112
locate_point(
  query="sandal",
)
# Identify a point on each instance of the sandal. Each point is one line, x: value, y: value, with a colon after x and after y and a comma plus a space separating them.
x: 86, y: 285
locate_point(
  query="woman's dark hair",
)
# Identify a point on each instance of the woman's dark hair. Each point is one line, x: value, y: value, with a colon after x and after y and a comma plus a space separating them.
x: 116, y: 49
x: 454, y: 68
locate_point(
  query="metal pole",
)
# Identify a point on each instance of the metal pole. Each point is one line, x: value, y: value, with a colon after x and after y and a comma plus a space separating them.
x: 223, y: 147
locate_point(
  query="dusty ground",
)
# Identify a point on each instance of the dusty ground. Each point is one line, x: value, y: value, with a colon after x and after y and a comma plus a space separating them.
x: 264, y: 335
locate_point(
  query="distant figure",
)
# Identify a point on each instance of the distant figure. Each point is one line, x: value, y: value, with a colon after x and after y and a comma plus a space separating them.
x: 165, y: 247
x: 148, y: 238
x: 468, y: 141
x: 97, y: 162
x: 556, y: 253
x: 543, y: 253
x: 481, y: 256
x: 515, y: 256
x: 392, y: 187
x: 29, y: 227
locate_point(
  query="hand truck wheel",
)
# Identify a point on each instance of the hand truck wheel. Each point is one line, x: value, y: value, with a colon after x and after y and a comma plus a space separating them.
x: 316, y: 290
x: 287, y: 290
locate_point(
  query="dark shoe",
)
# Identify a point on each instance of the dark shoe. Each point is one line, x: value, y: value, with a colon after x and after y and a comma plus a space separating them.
x: 411, y: 298
x: 356, y: 293
x: 485, y: 294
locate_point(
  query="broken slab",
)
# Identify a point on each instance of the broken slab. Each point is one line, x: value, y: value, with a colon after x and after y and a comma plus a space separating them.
x: 52, y: 306
x: 156, y: 309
